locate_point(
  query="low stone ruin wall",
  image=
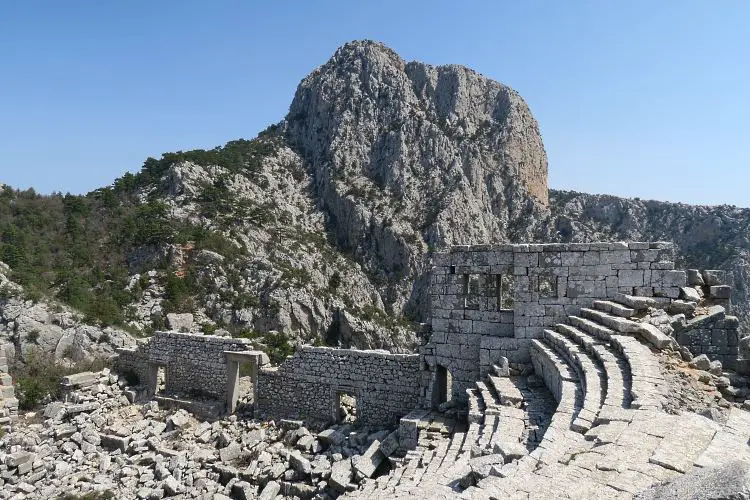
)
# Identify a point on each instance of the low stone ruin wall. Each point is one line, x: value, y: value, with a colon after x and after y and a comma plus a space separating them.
x: 308, y: 385
x: 489, y: 301
x: 193, y: 364
x: 714, y: 334
x: 8, y: 401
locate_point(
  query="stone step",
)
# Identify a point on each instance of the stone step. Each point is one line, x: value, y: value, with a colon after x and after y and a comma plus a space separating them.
x: 437, y: 458
x: 614, y: 308
x: 619, y: 325
x: 597, y: 330
x: 506, y: 391
x: 616, y: 368
x: 647, y: 386
x: 487, y: 397
x: 648, y: 332
x: 476, y: 405
x: 509, y: 431
x: 638, y: 303
x: 488, y: 429
x: 552, y: 369
x: 593, y: 378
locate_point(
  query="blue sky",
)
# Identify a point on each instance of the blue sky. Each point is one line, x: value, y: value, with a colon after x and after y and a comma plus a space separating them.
x: 638, y: 98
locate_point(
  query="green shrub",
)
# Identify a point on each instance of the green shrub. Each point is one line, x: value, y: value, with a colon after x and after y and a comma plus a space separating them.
x: 39, y: 377
x: 334, y: 282
x: 32, y: 337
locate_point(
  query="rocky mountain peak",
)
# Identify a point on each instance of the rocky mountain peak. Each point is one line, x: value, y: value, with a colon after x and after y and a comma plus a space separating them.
x: 407, y: 156
x: 368, y: 93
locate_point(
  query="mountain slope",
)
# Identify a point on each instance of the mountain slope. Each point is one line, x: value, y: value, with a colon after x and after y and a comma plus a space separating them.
x: 321, y: 228
x: 408, y: 157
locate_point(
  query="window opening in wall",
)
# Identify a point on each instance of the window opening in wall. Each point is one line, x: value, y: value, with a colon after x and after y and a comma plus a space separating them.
x: 547, y: 286
x: 161, y: 380
x: 453, y: 270
x: 507, y: 291
x: 443, y: 388
x: 347, y: 407
x: 472, y: 291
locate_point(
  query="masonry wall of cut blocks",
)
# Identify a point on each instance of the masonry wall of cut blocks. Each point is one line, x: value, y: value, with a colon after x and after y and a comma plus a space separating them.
x: 471, y: 328
x: 8, y: 401
x: 308, y: 385
x: 193, y: 364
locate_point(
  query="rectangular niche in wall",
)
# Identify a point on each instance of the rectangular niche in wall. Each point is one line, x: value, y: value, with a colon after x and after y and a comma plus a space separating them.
x: 547, y: 285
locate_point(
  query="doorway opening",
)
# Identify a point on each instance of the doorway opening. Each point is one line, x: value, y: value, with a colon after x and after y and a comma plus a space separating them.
x: 346, y: 405
x: 245, y: 386
x: 443, y: 387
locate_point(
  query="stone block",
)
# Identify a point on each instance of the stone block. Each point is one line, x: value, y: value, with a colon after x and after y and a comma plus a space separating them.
x: 299, y: 463
x: 341, y: 475
x: 630, y: 278
x: 390, y: 444
x: 667, y: 278
x: 269, y: 491
x: 112, y: 442
x: 694, y: 277
x: 19, y: 458
x: 713, y: 277
x: 690, y: 294
x: 370, y: 460
x: 720, y: 291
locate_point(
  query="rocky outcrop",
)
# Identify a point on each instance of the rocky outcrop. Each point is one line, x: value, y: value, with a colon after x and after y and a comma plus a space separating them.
x: 27, y: 326
x: 408, y: 157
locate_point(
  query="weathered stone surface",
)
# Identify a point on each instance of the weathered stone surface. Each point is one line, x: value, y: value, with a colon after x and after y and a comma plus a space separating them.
x: 180, y: 322
x: 299, y: 463
x: 269, y: 491
x: 690, y: 294
x: 341, y: 475
x: 730, y: 481
x: 720, y: 292
x: 370, y: 460
x: 331, y: 436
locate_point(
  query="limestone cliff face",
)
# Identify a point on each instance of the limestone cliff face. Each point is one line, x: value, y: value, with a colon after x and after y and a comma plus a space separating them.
x: 408, y: 157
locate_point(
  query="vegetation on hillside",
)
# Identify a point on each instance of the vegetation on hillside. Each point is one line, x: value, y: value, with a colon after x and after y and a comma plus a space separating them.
x: 74, y: 247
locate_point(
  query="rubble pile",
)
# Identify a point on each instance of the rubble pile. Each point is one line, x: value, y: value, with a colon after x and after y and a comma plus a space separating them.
x: 98, y: 441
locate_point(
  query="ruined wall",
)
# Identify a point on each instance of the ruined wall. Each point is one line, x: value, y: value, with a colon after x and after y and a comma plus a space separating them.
x: 8, y: 401
x: 474, y: 323
x: 714, y: 334
x: 194, y: 364
x: 134, y: 361
x: 307, y: 385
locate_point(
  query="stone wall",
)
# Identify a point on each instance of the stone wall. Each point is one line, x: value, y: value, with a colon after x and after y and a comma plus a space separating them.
x: 134, y: 361
x: 307, y: 386
x: 489, y: 301
x: 8, y: 401
x: 193, y: 364
x: 714, y: 334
